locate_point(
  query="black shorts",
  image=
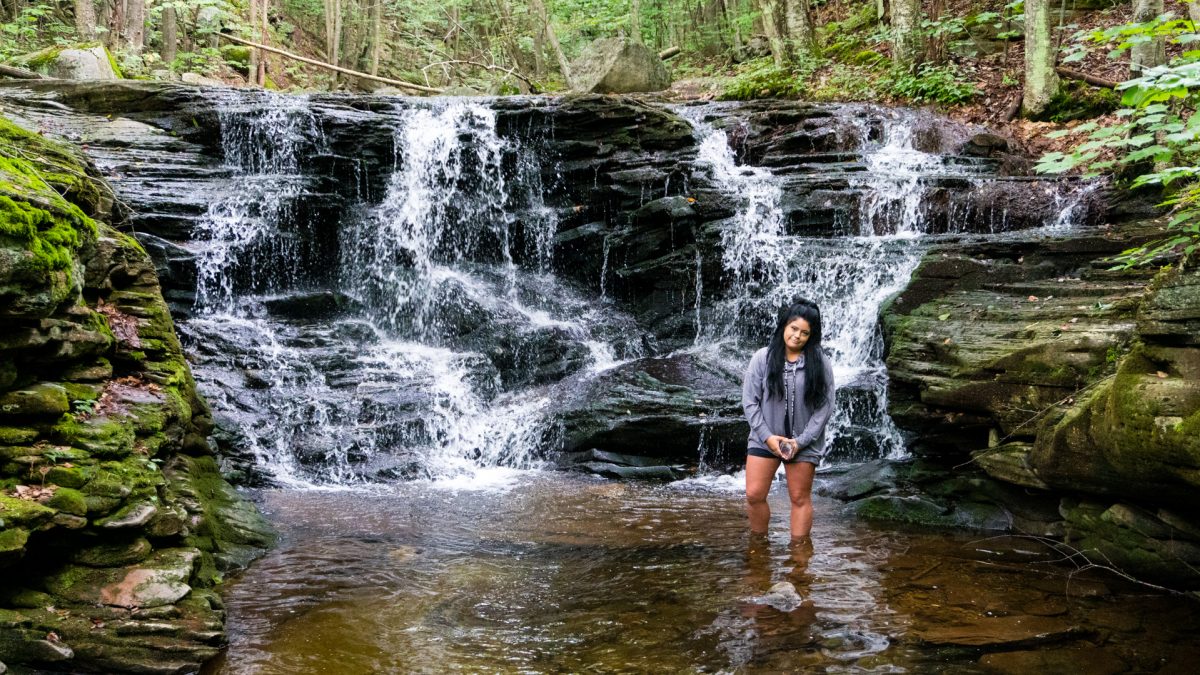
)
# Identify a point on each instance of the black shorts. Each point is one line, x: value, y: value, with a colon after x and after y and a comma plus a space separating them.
x: 806, y: 455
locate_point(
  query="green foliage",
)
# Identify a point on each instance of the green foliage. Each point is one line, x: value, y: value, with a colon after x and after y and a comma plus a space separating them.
x: 932, y: 84
x: 1155, y: 138
x: 761, y: 79
x: 35, y: 27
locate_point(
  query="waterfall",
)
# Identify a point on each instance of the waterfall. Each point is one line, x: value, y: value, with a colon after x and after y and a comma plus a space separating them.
x: 849, y: 277
x: 441, y: 302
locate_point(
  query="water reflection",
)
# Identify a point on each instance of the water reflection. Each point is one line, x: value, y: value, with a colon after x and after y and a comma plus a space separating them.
x: 566, y: 574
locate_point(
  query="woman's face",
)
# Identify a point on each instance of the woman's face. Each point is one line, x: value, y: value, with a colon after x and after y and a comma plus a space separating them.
x: 795, y: 334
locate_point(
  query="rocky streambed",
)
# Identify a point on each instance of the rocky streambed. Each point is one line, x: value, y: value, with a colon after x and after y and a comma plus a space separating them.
x: 371, y: 291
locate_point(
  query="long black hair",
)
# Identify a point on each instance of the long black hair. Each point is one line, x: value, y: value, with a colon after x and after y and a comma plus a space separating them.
x: 816, y: 386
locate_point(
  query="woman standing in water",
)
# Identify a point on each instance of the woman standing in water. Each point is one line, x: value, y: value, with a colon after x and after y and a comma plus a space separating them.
x: 788, y: 398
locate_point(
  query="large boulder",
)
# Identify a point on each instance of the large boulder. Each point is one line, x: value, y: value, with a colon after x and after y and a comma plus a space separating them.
x: 81, y: 63
x: 618, y: 66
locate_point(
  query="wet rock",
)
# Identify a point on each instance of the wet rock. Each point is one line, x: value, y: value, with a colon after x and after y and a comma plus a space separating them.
x: 1000, y: 632
x: 1132, y: 539
x: 1071, y: 659
x: 658, y: 407
x: 782, y: 596
x: 609, y: 470
x: 159, y: 580
x: 1010, y: 463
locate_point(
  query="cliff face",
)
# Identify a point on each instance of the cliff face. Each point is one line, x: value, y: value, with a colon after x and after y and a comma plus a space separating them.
x: 115, y: 524
x: 1075, y: 389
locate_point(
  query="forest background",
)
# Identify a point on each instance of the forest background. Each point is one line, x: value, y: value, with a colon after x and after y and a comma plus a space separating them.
x: 1096, y: 86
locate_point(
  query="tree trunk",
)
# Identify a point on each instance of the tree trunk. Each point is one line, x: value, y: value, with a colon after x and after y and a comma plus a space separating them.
x: 104, y: 18
x: 906, y: 44
x: 564, y: 66
x: 376, y: 35
x: 1041, y: 82
x: 85, y: 19
x: 731, y: 18
x: 800, y: 28
x: 1145, y: 55
x: 773, y: 27
x: 135, y: 25
x: 635, y: 21
x: 336, y: 56
x: 260, y: 74
x: 539, y: 53
x: 170, y: 38
x: 252, y: 63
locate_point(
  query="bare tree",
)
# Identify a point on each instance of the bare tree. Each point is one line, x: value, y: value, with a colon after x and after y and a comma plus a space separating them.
x: 773, y: 27
x: 800, y: 28
x: 906, y: 43
x: 1153, y: 52
x: 85, y: 19
x: 564, y: 66
x: 635, y: 21
x: 1041, y: 82
x: 170, y: 37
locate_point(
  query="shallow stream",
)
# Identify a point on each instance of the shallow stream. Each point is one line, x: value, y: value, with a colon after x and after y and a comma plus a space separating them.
x: 550, y: 572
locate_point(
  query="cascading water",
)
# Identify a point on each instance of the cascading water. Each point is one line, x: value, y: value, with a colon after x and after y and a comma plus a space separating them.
x: 849, y: 277
x: 433, y: 319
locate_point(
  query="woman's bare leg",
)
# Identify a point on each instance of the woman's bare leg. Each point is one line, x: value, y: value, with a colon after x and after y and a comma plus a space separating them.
x: 799, y: 482
x: 760, y: 471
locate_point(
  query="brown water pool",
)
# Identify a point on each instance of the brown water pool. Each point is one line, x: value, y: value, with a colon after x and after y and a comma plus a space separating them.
x: 558, y: 573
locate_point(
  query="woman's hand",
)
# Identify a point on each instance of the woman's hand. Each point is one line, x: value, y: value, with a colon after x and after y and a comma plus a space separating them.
x: 778, y: 445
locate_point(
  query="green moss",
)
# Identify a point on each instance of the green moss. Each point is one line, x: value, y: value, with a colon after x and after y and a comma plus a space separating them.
x: 69, y: 501
x: 67, y: 477
x: 135, y: 477
x: 103, y: 437
x: 26, y: 598
x: 39, y: 60
x: 38, y: 179
x: 23, y: 513
x: 17, y: 435
x: 13, y: 539
x: 112, y: 61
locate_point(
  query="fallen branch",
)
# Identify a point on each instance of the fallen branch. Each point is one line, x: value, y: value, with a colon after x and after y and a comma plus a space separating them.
x: 330, y: 66
x: 669, y: 52
x: 1084, y: 77
x: 20, y: 73
x: 533, y: 87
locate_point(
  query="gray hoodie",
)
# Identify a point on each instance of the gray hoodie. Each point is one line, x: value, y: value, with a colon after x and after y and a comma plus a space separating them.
x: 765, y: 413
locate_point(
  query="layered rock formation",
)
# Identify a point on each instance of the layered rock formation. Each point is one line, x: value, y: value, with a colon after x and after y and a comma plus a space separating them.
x: 115, y: 524
x: 1062, y: 396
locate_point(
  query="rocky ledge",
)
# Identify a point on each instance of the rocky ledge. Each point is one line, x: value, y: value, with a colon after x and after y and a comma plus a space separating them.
x: 116, y: 527
x: 1048, y: 394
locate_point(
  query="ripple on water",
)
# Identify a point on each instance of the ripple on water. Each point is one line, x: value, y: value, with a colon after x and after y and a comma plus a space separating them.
x: 559, y: 573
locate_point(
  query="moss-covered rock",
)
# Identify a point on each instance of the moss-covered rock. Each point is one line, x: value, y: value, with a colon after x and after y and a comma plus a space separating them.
x: 43, y: 400
x: 69, y: 501
x: 95, y: 395
x: 114, y: 555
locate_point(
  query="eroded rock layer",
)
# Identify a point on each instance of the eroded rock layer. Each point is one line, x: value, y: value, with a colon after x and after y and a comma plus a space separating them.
x: 115, y: 524
x: 1048, y: 393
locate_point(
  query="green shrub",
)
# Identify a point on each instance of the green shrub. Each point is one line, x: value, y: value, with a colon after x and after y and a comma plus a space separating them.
x: 932, y: 84
x: 761, y: 79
